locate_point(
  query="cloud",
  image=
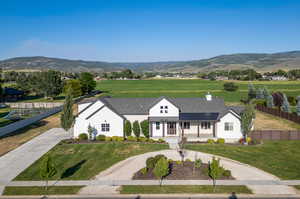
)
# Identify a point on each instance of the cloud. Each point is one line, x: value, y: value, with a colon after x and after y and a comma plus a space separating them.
x: 37, y: 47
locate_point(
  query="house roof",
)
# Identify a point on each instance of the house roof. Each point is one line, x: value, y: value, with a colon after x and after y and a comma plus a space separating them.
x: 141, y: 106
x: 199, y: 116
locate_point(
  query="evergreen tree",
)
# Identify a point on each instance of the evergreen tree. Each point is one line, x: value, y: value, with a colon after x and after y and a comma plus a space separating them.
x: 259, y: 93
x: 145, y: 128
x: 67, y: 117
x: 285, y: 105
x: 298, y: 106
x: 266, y: 93
x: 251, y: 92
x: 90, y: 132
x: 50, y: 83
x: 246, y: 120
x: 47, y: 170
x: 136, y: 128
x: 270, y: 101
x: 75, y: 85
x: 127, y: 128
x: 87, y: 82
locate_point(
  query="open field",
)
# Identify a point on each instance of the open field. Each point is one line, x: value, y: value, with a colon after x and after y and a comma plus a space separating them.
x: 280, y: 158
x: 56, y: 190
x: 84, y: 161
x: 21, y: 136
x: 189, y: 88
x: 179, y: 189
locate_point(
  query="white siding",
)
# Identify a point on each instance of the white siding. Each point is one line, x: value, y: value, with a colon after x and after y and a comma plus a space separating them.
x: 82, y: 106
x: 172, y: 110
x: 133, y: 118
x: 235, y: 134
x: 91, y: 110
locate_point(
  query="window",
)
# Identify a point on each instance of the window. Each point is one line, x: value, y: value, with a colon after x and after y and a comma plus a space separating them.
x: 157, y: 124
x: 163, y: 109
x: 186, y: 125
x: 228, y: 126
x: 205, y: 125
x: 104, y: 127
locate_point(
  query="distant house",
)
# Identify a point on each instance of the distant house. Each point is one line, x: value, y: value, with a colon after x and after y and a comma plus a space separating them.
x: 197, y: 119
x: 12, y: 94
x: 279, y: 78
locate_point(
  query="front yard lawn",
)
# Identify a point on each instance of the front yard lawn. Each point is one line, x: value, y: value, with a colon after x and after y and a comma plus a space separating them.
x: 169, y: 189
x: 84, y: 161
x: 280, y: 158
x: 56, y: 190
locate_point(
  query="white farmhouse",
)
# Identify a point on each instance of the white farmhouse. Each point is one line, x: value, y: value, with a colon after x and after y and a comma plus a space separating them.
x: 195, y: 118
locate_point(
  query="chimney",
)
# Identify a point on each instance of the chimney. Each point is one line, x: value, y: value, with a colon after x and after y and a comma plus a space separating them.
x: 208, y: 96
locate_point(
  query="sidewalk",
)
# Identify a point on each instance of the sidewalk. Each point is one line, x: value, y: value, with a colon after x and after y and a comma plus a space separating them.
x: 14, y: 162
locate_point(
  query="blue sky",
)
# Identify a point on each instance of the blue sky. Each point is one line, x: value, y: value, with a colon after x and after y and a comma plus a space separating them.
x: 147, y: 30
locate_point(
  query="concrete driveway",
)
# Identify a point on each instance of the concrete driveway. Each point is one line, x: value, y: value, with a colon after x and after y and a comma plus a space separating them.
x: 14, y: 162
x: 125, y: 169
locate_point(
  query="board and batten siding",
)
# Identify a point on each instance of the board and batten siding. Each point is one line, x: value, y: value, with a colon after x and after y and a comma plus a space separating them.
x: 172, y: 110
x: 235, y: 133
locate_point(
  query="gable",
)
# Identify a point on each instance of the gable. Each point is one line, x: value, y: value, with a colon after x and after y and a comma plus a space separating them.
x: 90, y: 109
x: 164, y: 108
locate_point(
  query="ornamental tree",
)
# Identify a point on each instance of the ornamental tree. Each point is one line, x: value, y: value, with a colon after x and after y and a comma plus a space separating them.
x: 145, y: 128
x: 127, y: 128
x: 285, y: 104
x: 246, y: 120
x: 215, y: 171
x: 266, y: 93
x: 161, y: 169
x: 47, y: 170
x: 270, y: 102
x: 251, y: 92
x: 136, y: 128
x: 67, y: 117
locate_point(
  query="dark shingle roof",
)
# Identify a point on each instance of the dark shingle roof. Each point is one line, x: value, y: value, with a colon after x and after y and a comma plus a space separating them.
x: 199, y: 116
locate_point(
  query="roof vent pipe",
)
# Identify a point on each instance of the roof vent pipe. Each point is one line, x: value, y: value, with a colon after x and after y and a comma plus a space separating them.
x: 208, y: 96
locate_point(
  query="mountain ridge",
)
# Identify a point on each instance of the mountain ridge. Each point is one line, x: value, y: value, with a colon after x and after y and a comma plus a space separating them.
x: 258, y: 61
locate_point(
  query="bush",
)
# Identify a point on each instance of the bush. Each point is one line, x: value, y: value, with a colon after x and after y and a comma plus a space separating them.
x: 254, y: 142
x: 108, y: 139
x: 230, y: 86
x: 132, y: 139
x: 198, y: 163
x: 188, y: 160
x: 83, y: 136
x: 117, y: 138
x: 221, y: 141
x: 150, y: 163
x: 210, y: 141
x: 151, y: 140
x: 292, y: 100
x: 157, y: 157
x: 143, y: 139
x: 120, y: 139
x: 160, y: 140
x: 145, y: 128
x: 100, y: 138
x: 226, y: 173
x: 127, y: 128
x: 136, y: 128
x: 260, y: 102
x: 144, y: 171
x: 178, y: 162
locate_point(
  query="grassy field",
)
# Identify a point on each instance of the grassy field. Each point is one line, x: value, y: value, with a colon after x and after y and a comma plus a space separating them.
x: 178, y: 189
x: 280, y: 158
x: 57, y: 190
x: 189, y: 88
x: 84, y: 161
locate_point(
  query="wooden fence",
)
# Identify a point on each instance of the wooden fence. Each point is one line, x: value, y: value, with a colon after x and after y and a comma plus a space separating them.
x: 275, y: 135
x: 277, y: 112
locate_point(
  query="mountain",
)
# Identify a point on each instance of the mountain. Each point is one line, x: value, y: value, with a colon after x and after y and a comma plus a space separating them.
x: 258, y: 61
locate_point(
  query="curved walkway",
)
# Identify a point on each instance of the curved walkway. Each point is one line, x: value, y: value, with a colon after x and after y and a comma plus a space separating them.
x: 125, y: 169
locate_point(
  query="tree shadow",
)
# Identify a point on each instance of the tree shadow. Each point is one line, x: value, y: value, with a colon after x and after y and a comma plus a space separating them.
x: 70, y: 171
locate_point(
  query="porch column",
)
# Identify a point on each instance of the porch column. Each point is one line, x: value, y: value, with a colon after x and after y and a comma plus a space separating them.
x: 163, y: 123
x: 182, y: 129
x: 214, y: 129
x: 151, y: 128
x: 198, y: 124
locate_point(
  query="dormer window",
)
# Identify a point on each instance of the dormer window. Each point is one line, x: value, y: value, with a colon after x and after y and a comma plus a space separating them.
x: 163, y: 109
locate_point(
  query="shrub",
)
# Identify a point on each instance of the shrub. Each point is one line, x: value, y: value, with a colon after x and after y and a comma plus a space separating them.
x: 143, y: 139
x: 248, y: 139
x: 136, y: 128
x: 151, y: 140
x: 108, y: 139
x: 188, y: 160
x: 198, y: 163
x: 210, y: 141
x: 226, y: 173
x: 292, y: 100
x: 150, y: 163
x: 178, y: 162
x: 127, y: 128
x: 83, y: 136
x: 221, y: 141
x: 120, y: 139
x: 170, y: 160
x: 157, y: 157
x: 144, y: 171
x: 260, y: 102
x: 230, y: 86
x: 132, y: 139
x: 114, y: 138
x: 145, y: 128
x: 100, y: 138
x: 160, y: 140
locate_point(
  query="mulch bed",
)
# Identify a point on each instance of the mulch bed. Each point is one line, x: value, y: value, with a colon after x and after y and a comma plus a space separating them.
x: 74, y: 141
x: 181, y: 171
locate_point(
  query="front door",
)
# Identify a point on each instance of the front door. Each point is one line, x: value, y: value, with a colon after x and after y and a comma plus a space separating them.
x: 171, y: 128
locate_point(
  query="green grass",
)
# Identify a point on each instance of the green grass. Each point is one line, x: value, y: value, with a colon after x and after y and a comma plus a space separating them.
x: 280, y: 158
x: 84, y: 161
x: 56, y: 190
x: 189, y: 88
x: 297, y: 186
x: 177, y: 189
